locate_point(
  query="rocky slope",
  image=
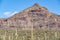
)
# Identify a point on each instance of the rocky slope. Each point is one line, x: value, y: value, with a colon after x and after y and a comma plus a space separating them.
x: 35, y: 16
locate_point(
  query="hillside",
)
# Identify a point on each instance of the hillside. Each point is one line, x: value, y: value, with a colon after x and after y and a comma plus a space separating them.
x: 35, y: 16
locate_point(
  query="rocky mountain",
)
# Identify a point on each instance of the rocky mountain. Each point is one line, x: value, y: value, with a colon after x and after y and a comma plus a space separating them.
x: 36, y: 17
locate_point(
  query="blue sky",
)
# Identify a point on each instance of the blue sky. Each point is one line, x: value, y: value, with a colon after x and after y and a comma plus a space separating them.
x: 9, y: 7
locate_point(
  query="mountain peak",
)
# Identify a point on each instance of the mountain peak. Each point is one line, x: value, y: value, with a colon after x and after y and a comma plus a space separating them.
x: 36, y: 4
x: 35, y: 7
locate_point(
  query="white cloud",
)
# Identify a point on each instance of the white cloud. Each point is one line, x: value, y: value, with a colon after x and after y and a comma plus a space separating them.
x: 8, y: 14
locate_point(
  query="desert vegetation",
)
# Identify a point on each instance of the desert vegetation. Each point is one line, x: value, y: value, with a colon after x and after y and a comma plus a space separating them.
x: 18, y: 34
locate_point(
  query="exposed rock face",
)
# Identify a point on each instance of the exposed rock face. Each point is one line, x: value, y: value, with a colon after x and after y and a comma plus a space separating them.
x: 35, y: 16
